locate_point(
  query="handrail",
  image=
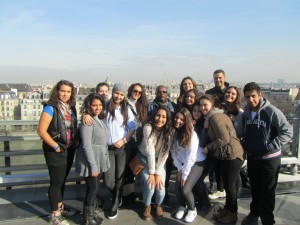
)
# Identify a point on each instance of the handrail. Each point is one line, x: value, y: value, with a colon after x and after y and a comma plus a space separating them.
x: 19, y: 122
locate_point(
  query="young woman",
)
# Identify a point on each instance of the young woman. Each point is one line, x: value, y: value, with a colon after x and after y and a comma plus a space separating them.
x: 186, y: 84
x: 138, y: 104
x: 189, y: 161
x: 190, y: 98
x: 221, y: 132
x: 121, y: 125
x: 232, y: 107
x: 153, y: 152
x: 58, y: 129
x: 92, y: 155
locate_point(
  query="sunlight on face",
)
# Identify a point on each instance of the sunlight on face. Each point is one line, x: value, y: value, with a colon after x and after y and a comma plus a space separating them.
x: 230, y: 95
x: 179, y: 120
x: 103, y: 91
x: 64, y: 93
x: 187, y: 85
x: 136, y: 92
x: 96, y: 107
x: 118, y: 97
x: 205, y: 106
x: 160, y: 118
x: 219, y: 80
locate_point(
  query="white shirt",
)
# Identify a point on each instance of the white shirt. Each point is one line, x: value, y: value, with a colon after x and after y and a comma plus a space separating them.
x: 185, y: 158
x: 116, y: 127
x: 152, y: 149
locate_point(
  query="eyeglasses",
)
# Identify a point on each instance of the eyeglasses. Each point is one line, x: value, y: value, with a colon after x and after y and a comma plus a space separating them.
x: 161, y: 92
x: 137, y: 92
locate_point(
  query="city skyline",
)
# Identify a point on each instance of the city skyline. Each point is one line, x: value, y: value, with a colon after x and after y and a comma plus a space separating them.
x: 147, y: 41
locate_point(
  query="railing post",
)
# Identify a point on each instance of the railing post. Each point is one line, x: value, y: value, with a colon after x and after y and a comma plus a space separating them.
x: 7, y: 159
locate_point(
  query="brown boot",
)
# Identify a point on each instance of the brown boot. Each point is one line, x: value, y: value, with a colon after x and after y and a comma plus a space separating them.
x: 159, y: 212
x: 228, y: 218
x: 223, y: 212
x: 147, y: 213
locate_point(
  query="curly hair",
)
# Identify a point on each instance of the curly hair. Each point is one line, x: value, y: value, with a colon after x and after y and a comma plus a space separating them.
x: 56, y: 88
x: 167, y: 130
x: 141, y: 103
x: 185, y: 132
x: 87, y: 102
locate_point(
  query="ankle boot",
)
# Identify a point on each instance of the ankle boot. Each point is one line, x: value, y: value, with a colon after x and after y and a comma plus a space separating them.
x: 89, y: 216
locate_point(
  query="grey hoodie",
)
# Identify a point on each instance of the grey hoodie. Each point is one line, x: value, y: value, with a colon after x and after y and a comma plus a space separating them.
x: 267, y: 132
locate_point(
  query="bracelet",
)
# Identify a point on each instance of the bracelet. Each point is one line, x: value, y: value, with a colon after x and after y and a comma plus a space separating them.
x: 125, y: 141
x: 55, y: 147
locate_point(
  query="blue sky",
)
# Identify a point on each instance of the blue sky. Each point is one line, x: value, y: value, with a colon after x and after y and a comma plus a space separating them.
x: 149, y: 41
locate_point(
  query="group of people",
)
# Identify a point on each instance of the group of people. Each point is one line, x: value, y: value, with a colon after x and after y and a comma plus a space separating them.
x: 187, y: 135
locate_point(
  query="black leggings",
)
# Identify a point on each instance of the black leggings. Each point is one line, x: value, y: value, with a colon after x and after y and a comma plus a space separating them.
x: 92, y: 186
x: 58, y: 176
x: 231, y: 179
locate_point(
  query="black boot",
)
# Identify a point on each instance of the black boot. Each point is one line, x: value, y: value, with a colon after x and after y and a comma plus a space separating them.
x: 89, y: 216
x: 116, y: 200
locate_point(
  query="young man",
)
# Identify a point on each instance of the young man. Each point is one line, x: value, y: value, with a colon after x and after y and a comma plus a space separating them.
x: 103, y: 90
x: 220, y: 86
x: 266, y: 130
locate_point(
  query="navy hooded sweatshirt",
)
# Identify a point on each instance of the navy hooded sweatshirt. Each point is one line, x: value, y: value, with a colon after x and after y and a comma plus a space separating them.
x: 267, y: 132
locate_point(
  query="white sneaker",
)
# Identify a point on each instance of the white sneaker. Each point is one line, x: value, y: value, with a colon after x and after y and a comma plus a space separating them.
x: 190, y: 216
x: 180, y: 213
x: 217, y: 194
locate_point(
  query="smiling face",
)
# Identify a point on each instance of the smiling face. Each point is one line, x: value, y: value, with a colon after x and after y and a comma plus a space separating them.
x: 118, y: 97
x: 96, y: 107
x: 136, y: 92
x: 196, y: 112
x: 179, y: 120
x: 253, y: 99
x: 190, y: 98
x: 162, y: 93
x: 205, y: 106
x: 103, y: 91
x: 64, y: 93
x: 160, y: 118
x: 219, y: 80
x: 230, y: 95
x: 187, y: 85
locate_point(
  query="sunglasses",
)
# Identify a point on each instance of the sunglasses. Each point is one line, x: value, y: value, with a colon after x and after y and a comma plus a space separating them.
x: 137, y: 92
x: 161, y: 92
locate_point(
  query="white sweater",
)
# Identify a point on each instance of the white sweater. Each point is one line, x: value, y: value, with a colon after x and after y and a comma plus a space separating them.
x: 185, y: 158
x: 152, y: 152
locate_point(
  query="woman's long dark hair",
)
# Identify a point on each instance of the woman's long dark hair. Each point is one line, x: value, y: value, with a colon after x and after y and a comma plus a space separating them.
x: 167, y: 130
x: 141, y: 103
x: 87, y: 102
x: 111, y: 106
x: 182, y: 92
x: 184, y: 133
x: 234, y: 107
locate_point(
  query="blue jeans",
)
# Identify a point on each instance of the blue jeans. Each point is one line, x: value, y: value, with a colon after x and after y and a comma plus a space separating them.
x: 148, y: 191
